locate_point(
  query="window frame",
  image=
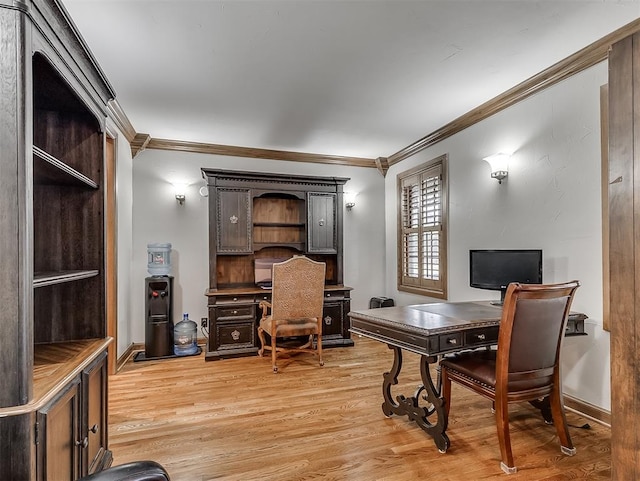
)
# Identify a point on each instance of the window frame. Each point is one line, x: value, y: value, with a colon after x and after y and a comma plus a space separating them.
x: 421, y: 285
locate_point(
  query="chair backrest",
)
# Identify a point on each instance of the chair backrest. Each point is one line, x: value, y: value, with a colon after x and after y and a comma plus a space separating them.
x: 297, y: 289
x: 534, y: 318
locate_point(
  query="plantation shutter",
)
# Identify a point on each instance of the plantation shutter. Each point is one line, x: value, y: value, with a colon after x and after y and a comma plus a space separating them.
x: 421, y: 211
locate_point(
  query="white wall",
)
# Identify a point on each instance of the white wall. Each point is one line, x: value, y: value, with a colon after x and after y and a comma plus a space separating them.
x: 551, y: 200
x: 157, y: 217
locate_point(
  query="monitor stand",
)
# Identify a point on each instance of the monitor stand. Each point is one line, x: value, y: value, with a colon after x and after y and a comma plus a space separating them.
x: 503, y: 291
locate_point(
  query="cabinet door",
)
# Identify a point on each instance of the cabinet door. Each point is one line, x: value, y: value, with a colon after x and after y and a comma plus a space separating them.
x: 233, y: 221
x: 94, y: 419
x: 58, y: 441
x: 321, y: 225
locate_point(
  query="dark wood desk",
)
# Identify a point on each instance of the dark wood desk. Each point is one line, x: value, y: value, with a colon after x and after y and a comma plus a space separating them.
x: 432, y: 330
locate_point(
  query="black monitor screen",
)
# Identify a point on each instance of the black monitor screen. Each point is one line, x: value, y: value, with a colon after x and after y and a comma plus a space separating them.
x: 495, y: 269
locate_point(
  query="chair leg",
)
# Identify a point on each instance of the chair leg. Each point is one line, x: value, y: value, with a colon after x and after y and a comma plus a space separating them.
x: 560, y: 422
x: 274, y: 352
x: 320, y: 360
x: 504, y: 438
x: 262, y: 341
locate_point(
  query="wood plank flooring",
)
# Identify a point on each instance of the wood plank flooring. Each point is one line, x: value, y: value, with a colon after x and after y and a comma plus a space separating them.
x: 235, y: 420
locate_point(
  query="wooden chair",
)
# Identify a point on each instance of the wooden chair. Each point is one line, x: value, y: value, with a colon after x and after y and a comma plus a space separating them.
x: 526, y: 365
x: 296, y: 308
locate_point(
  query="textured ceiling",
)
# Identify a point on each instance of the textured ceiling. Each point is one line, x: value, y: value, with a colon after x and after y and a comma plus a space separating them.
x: 358, y: 78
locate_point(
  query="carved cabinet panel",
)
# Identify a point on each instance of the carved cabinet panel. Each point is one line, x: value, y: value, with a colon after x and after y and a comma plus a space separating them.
x: 233, y: 221
x: 321, y: 228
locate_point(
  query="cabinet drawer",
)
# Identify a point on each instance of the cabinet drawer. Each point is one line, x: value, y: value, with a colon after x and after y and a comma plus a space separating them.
x: 235, y: 311
x: 263, y: 297
x: 235, y: 335
x: 239, y: 299
x: 334, y: 295
x: 450, y: 341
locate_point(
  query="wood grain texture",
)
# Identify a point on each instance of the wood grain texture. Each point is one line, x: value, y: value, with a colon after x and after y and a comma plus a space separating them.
x: 15, y: 342
x: 111, y: 250
x: 624, y: 254
x: 236, y: 420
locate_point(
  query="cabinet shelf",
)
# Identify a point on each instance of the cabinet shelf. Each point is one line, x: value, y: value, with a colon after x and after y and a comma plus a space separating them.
x: 41, y: 279
x: 49, y: 170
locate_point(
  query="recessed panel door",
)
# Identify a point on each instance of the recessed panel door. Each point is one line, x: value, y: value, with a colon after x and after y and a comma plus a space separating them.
x: 321, y: 227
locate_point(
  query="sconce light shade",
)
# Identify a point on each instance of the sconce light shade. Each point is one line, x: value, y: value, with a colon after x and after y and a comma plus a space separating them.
x: 350, y: 199
x: 499, y: 166
x: 180, y: 190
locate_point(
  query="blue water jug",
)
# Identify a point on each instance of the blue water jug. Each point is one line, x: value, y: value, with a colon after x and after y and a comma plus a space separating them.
x: 185, y: 339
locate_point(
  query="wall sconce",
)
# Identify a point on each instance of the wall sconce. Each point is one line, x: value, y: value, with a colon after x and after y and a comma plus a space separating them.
x: 350, y: 199
x: 180, y: 190
x: 499, y: 165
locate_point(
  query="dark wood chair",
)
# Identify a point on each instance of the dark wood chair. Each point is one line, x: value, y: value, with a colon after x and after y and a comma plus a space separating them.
x: 297, y: 297
x: 526, y: 365
x: 133, y: 471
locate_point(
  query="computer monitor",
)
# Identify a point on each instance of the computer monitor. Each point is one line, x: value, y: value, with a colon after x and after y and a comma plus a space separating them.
x: 494, y: 269
x: 264, y: 270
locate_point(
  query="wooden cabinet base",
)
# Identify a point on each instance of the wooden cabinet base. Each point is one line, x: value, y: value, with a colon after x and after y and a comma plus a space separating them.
x: 234, y: 317
x: 230, y: 353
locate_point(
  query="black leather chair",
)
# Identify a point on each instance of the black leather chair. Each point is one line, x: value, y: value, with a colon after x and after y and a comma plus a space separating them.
x: 135, y: 471
x: 526, y: 365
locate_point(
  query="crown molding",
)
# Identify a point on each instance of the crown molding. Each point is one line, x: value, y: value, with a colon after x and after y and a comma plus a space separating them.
x: 579, y: 61
x: 139, y: 143
x: 255, y: 153
x: 121, y: 120
x: 382, y: 164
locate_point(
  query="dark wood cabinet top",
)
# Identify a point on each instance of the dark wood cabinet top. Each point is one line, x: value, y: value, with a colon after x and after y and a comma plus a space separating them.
x: 253, y: 290
x: 54, y: 365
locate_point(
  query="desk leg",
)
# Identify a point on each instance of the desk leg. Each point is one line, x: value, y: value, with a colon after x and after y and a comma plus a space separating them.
x: 410, y: 407
x: 544, y: 405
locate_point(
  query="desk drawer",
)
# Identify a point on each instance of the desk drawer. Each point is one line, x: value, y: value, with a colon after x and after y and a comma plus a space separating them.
x: 239, y: 299
x: 235, y: 311
x: 335, y: 295
x: 427, y: 344
x: 482, y: 336
x: 263, y: 297
x: 451, y: 341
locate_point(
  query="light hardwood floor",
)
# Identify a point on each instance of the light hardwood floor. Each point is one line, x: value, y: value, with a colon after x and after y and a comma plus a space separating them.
x: 236, y: 420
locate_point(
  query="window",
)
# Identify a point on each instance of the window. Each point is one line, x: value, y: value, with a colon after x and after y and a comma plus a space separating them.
x: 422, y: 229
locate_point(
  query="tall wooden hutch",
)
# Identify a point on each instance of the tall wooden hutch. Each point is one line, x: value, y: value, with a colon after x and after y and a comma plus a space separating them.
x: 256, y: 216
x: 53, y: 343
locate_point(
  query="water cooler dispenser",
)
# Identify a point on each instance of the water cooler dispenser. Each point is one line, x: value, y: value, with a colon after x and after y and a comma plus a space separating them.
x: 163, y: 338
x: 159, y: 317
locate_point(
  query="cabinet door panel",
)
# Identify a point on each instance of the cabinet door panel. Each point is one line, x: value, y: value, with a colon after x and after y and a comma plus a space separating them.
x: 58, y: 441
x: 332, y: 318
x: 94, y: 383
x: 321, y: 228
x: 234, y: 221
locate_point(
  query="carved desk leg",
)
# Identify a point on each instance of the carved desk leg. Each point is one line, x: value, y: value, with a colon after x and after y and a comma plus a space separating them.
x: 410, y: 407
